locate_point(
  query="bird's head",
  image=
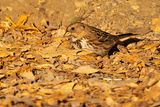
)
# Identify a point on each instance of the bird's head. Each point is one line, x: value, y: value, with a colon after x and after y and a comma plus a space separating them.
x: 76, y: 30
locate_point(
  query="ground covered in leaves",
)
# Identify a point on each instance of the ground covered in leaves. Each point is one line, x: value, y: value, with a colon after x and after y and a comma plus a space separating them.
x: 38, y: 67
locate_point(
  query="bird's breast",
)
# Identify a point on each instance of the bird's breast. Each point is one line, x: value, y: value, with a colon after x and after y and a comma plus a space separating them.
x: 85, y: 44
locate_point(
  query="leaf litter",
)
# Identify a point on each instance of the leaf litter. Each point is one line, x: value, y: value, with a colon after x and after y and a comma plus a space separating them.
x: 40, y: 68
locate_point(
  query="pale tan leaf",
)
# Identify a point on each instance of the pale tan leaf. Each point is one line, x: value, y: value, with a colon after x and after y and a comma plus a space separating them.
x: 28, y: 75
x: 85, y: 70
x: 65, y: 87
x: 44, y: 66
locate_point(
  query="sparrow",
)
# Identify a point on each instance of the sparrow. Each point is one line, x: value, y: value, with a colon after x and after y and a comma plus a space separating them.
x: 84, y: 36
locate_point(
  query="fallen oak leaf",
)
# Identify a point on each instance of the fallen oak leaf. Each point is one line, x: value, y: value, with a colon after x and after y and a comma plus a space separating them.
x: 10, y: 72
x: 3, y: 85
x: 28, y: 75
x: 156, y: 25
x: 157, y: 62
x: 21, y: 23
x: 2, y: 75
x: 44, y: 91
x: 65, y: 87
x: 25, y: 48
x: 52, y: 51
x: 85, y: 70
x: 84, y: 52
x: 4, y: 25
x: 10, y: 20
x: 88, y: 58
x: 153, y: 92
x: 5, y: 53
x: 44, y: 66
x: 67, y: 66
x: 22, y: 20
x: 150, y: 46
x: 128, y: 57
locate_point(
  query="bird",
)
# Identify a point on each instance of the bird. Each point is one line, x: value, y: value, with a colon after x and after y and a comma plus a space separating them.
x: 84, y: 36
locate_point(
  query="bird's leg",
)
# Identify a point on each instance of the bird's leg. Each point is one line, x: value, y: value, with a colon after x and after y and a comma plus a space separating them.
x: 122, y: 49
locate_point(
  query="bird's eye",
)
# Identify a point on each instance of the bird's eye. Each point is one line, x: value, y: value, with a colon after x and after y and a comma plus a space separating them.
x: 72, y: 28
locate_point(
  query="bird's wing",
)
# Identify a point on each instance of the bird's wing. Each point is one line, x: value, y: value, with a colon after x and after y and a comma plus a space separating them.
x: 102, y: 36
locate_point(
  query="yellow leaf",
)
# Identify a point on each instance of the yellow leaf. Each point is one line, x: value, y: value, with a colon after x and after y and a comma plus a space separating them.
x: 5, y: 53
x: 153, y: 92
x: 28, y: 75
x: 129, y: 104
x: 21, y: 23
x: 65, y: 44
x: 10, y: 72
x: 80, y: 3
x: 4, y: 25
x: 67, y: 66
x: 10, y: 20
x: 29, y: 87
x: 29, y: 27
x: 156, y: 25
x: 3, y: 84
x: 157, y: 62
x: 65, y: 87
x: 88, y: 58
x: 129, y: 58
x: 110, y: 101
x: 1, y: 31
x: 80, y: 87
x: 30, y: 56
x: 84, y: 52
x: 22, y: 20
x: 46, y: 91
x: 150, y: 46
x: 58, y: 41
x: 85, y: 70
x: 25, y: 48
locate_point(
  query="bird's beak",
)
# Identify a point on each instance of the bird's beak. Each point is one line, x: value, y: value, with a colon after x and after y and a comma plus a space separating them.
x: 70, y: 36
x: 67, y: 34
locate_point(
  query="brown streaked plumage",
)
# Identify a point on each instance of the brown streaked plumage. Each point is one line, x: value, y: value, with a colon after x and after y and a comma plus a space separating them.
x: 94, y: 39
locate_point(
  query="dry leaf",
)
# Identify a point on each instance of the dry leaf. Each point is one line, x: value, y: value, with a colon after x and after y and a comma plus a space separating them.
x: 157, y: 62
x: 5, y: 53
x: 40, y: 66
x: 84, y: 52
x: 2, y: 75
x: 4, y: 25
x: 153, y: 92
x: 45, y: 91
x: 21, y: 23
x: 150, y: 46
x: 25, y: 48
x: 22, y: 20
x: 110, y: 101
x: 80, y: 87
x: 67, y: 66
x: 28, y: 75
x: 65, y: 87
x: 85, y: 70
x: 156, y: 25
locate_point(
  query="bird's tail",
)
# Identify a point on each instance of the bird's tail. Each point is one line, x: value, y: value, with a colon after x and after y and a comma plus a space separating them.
x: 121, y: 36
